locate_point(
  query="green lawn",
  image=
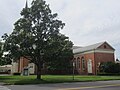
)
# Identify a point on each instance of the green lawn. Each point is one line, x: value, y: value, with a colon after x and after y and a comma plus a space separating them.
x: 53, y: 79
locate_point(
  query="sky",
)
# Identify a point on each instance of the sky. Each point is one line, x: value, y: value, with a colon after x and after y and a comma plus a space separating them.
x: 86, y: 21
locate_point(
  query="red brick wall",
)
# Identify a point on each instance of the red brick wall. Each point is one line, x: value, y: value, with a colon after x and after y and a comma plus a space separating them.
x: 103, y: 57
x: 96, y: 58
x: 86, y: 58
x: 22, y: 63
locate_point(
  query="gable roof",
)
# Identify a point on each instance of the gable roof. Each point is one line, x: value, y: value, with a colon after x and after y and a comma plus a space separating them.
x: 90, y: 47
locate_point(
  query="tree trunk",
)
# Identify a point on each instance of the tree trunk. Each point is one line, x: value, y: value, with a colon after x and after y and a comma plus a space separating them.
x: 39, y: 72
x: 39, y: 67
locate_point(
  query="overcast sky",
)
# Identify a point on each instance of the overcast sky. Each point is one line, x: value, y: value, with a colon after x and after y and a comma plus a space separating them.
x: 87, y: 21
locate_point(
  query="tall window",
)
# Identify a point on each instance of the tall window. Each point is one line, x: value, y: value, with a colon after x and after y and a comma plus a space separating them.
x: 75, y: 63
x: 78, y: 63
x: 83, y: 63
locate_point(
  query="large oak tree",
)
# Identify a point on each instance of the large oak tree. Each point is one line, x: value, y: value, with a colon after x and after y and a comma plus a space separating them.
x: 36, y: 36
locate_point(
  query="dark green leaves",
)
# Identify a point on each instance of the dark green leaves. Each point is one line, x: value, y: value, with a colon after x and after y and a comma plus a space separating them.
x: 38, y: 26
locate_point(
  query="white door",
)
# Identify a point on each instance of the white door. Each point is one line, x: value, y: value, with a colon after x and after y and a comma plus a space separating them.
x: 89, y: 64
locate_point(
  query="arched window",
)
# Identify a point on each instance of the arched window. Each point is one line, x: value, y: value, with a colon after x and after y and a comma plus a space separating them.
x: 83, y: 63
x: 78, y: 63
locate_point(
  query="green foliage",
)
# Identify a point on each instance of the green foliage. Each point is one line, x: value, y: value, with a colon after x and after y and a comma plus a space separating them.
x: 4, y: 60
x: 1, y: 49
x: 110, y: 67
x: 16, y: 73
x: 60, y: 55
x: 38, y: 31
x: 1, y: 53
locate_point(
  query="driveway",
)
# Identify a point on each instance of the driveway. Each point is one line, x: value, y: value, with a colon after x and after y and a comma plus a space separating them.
x: 98, y: 85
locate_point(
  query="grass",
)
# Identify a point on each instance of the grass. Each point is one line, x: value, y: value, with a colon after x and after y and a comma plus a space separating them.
x: 21, y: 80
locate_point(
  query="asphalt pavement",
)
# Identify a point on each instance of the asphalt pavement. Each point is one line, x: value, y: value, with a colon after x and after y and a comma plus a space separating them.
x: 98, y: 85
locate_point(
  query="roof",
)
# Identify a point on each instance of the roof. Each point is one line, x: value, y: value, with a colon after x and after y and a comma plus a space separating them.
x: 88, y: 48
x: 75, y: 47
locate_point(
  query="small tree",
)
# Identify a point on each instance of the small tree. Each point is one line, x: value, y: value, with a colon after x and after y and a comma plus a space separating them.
x: 36, y: 37
x: 60, y: 59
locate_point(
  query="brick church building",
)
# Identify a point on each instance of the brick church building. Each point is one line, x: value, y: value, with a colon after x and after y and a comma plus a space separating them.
x: 86, y: 59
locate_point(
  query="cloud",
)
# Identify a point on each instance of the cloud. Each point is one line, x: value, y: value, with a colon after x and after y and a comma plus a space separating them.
x: 90, y: 21
x: 87, y: 21
x: 9, y: 14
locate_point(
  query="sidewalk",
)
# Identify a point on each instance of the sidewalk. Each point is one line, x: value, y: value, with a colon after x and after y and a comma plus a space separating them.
x: 2, y: 87
x: 5, y: 74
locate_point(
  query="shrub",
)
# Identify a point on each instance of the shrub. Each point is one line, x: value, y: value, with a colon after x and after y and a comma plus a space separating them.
x: 110, y: 67
x: 16, y: 73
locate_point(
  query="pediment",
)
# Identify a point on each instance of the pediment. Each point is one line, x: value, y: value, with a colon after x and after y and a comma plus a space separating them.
x: 105, y: 45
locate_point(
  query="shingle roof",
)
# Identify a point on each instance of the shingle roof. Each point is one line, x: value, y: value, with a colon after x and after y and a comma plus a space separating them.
x: 87, y: 48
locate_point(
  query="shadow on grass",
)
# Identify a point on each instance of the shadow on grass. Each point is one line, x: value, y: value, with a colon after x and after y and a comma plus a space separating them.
x: 36, y: 81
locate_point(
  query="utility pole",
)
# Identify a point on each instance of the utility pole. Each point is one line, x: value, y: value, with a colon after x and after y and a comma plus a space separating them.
x: 73, y: 69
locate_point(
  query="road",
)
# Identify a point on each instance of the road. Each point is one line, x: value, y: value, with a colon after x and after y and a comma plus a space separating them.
x: 98, y: 85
